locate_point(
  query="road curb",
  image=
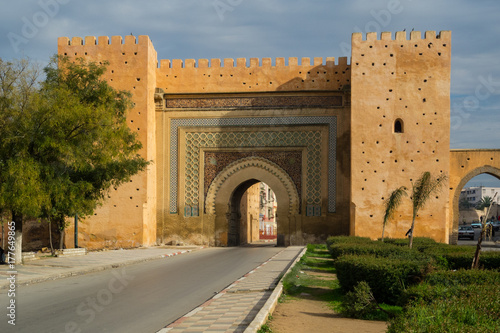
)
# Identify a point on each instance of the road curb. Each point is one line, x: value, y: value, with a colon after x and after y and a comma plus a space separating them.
x: 268, y: 308
x: 97, y: 268
x: 227, y: 289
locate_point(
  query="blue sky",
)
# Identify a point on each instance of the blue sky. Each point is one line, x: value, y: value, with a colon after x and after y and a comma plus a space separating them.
x: 189, y: 29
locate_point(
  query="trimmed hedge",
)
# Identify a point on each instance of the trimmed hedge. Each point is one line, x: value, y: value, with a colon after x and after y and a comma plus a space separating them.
x: 460, y: 257
x: 463, y: 277
x: 387, y: 277
x: 377, y: 249
x: 334, y: 240
x: 455, y: 300
x: 446, y: 284
x: 419, y: 243
x: 475, y: 308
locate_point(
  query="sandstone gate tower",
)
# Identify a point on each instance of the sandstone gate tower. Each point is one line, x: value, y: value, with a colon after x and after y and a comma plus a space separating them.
x: 331, y: 138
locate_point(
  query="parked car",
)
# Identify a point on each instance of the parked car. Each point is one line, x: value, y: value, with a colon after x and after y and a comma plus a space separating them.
x: 465, y: 232
x: 496, y: 225
x: 476, y: 225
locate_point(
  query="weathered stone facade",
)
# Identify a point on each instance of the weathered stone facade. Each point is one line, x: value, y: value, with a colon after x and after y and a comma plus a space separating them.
x: 332, y: 139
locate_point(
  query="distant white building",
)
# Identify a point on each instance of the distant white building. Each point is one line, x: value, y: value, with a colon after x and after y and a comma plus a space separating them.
x: 476, y: 193
x: 268, y: 205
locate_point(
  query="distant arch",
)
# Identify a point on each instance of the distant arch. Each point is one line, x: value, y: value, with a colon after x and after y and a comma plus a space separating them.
x: 490, y: 170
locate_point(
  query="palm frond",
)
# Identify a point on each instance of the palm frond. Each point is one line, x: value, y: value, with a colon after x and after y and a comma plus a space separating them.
x: 423, y: 188
x: 392, y: 203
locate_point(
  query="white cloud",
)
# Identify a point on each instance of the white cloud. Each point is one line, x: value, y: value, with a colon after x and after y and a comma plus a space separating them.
x: 281, y: 28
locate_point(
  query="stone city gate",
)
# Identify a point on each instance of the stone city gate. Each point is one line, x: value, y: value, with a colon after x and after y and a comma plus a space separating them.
x: 215, y: 155
x: 332, y: 138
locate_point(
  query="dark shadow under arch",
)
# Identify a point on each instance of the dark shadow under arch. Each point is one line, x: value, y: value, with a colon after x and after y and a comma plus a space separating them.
x: 234, y: 213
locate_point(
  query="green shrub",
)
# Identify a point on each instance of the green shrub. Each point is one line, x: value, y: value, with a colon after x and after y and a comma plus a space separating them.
x: 341, y: 249
x: 476, y: 308
x: 359, y: 302
x: 427, y: 293
x: 463, y: 259
x: 419, y: 243
x: 446, y: 284
x: 347, y: 239
x: 333, y: 240
x: 375, y: 248
x: 460, y: 257
x: 489, y: 260
x: 463, y: 277
x: 387, y: 277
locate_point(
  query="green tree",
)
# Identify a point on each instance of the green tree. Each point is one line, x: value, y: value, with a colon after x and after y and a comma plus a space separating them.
x: 89, y: 149
x: 63, y: 152
x: 421, y: 191
x: 21, y: 187
x: 391, y: 204
x: 464, y: 204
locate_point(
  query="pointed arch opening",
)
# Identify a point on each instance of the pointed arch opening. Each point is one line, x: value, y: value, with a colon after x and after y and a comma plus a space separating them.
x: 225, y: 193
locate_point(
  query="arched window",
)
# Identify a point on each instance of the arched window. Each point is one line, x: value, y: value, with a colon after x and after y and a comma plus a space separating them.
x: 398, y: 126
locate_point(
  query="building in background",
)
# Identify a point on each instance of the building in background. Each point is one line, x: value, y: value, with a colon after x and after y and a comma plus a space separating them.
x: 475, y: 194
x: 268, y: 228
x: 470, y: 197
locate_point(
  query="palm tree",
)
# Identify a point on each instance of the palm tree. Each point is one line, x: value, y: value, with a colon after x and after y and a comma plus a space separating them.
x: 475, y: 261
x: 421, y: 192
x: 391, y: 204
x: 484, y: 203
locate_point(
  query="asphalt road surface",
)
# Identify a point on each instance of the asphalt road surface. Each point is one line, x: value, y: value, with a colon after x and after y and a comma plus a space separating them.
x: 138, y: 298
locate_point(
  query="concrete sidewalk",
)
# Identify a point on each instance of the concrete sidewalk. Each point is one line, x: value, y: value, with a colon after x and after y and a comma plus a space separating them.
x: 245, y: 304
x: 55, y: 268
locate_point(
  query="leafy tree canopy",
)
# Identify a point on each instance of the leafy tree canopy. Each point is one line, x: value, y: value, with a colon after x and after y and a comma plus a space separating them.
x: 65, y: 140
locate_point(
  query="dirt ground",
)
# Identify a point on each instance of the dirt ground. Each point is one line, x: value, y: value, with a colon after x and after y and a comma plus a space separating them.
x: 311, y: 315
x: 308, y: 313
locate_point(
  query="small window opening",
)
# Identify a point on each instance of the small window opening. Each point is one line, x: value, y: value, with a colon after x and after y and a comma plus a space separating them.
x: 398, y: 126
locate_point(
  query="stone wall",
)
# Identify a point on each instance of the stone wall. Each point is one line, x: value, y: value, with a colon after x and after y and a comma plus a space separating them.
x: 400, y: 117
x: 127, y: 218
x: 345, y: 134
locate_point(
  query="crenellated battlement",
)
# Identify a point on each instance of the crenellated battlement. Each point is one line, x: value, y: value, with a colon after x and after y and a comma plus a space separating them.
x: 252, y: 63
x: 401, y: 36
x: 103, y: 40
x: 254, y: 74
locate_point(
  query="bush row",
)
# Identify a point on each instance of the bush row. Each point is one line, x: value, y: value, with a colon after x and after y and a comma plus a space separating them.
x: 387, y: 277
x: 460, y: 308
x: 441, y: 255
x: 433, y: 282
x: 447, y: 284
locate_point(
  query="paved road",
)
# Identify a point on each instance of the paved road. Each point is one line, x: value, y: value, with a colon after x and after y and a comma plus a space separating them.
x: 139, y: 298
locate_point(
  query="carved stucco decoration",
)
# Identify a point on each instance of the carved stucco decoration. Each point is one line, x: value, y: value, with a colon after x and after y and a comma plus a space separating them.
x: 259, y: 162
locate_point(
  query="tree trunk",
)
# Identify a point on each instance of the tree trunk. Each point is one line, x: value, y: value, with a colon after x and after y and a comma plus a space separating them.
x: 62, y: 233
x: 475, y: 261
x: 411, y: 231
x: 17, y: 219
x: 50, y: 238
x: 383, y: 230
x: 61, y: 226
